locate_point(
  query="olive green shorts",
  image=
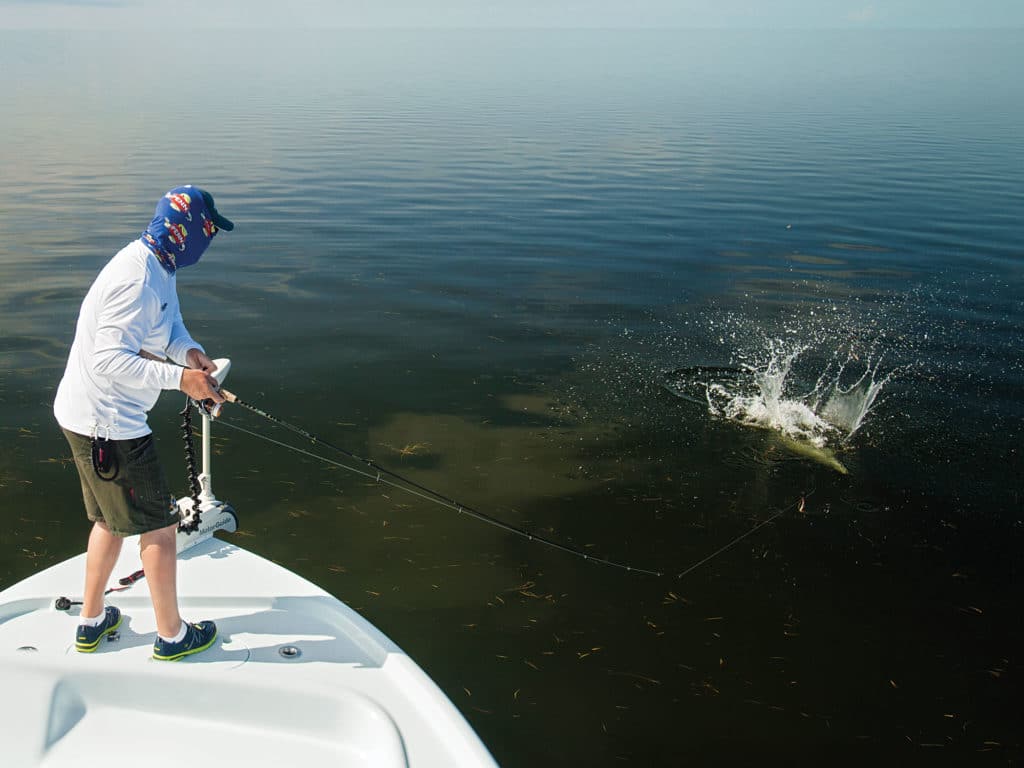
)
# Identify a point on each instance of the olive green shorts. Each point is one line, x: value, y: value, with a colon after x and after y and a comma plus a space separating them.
x: 137, y: 498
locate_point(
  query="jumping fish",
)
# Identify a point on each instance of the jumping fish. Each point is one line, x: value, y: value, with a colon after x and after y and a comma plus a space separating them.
x: 822, y: 456
x: 697, y: 384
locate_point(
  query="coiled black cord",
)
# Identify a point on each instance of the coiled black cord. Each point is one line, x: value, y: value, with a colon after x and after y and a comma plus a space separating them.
x: 190, y: 465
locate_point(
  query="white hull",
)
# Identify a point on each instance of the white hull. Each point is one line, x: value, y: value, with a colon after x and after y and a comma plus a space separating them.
x: 350, y: 697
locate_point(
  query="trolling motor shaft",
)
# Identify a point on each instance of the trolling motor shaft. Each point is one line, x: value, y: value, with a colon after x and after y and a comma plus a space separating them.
x: 201, y: 512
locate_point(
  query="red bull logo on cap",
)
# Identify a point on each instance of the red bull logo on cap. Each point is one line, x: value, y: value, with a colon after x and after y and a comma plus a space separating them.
x: 209, y: 228
x: 180, y: 202
x: 176, y: 233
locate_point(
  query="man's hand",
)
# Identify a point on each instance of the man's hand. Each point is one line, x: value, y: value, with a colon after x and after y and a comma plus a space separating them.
x: 199, y: 385
x: 196, y: 381
x: 197, y: 359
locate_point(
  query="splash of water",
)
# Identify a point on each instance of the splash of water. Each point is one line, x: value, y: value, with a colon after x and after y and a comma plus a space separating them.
x: 846, y: 408
x: 768, y: 395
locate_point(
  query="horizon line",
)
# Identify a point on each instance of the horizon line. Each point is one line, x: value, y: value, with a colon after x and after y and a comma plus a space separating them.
x: 865, y: 27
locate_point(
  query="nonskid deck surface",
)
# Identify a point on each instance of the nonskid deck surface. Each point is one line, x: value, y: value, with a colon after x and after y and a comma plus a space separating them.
x: 258, y: 608
x: 295, y: 675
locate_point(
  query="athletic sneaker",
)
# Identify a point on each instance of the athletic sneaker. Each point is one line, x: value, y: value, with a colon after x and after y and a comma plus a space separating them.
x: 198, y: 637
x: 87, y: 639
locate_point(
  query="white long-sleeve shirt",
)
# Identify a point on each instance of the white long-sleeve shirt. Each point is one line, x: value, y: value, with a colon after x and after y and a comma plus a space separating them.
x: 107, y: 387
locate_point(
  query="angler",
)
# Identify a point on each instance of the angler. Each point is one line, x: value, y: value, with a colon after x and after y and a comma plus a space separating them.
x: 129, y: 319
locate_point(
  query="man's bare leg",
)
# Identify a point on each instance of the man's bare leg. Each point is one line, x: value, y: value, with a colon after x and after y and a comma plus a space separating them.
x: 160, y: 561
x: 100, y: 559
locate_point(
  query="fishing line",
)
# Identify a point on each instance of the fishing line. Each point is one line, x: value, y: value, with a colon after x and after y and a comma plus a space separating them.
x: 799, y: 503
x: 384, y: 476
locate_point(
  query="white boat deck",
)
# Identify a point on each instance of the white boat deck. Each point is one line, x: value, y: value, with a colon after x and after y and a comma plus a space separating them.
x: 348, y: 697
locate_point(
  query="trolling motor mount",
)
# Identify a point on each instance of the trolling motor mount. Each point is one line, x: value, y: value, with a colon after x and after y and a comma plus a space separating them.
x: 203, y: 513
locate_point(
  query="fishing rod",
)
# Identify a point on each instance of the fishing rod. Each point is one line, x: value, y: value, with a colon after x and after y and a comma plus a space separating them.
x: 385, y: 476
x: 382, y: 475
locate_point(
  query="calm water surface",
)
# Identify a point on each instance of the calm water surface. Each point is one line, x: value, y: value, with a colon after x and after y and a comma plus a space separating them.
x: 494, y: 262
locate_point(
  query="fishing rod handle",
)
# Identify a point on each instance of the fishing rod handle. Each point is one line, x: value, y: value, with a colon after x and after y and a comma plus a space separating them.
x: 211, y: 408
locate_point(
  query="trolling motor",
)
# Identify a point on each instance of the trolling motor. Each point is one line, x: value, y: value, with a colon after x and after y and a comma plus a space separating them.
x: 202, y: 513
